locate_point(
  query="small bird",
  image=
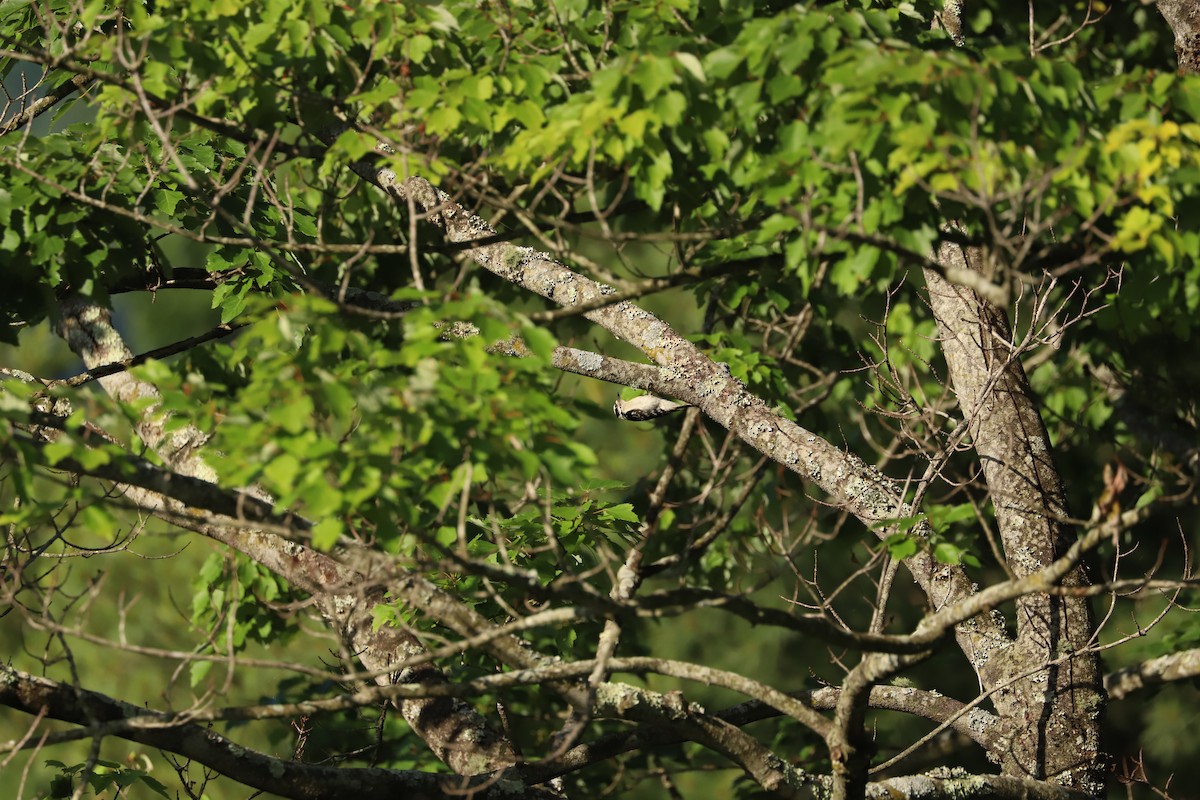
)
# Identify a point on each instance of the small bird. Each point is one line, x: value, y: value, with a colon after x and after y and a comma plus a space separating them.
x: 646, y: 407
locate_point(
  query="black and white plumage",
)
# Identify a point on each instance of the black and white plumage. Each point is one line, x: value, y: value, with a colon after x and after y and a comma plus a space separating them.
x: 646, y: 407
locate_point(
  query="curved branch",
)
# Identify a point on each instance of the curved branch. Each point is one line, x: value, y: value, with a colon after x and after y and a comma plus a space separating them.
x: 652, y: 285
x: 44, y: 104
x: 688, y: 374
x: 456, y: 733
x: 104, y: 715
x: 1179, y: 666
x: 183, y: 345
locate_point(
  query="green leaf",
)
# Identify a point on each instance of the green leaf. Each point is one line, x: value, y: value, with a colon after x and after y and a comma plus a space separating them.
x: 539, y: 341
x: 692, y: 65
x: 326, y: 533
x: 198, y: 671
x: 900, y: 546
x: 623, y: 512
x: 166, y: 200
x: 282, y: 471
x: 948, y: 553
x: 942, y: 517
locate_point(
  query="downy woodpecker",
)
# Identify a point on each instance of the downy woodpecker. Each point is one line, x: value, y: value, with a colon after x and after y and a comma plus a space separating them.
x: 646, y: 407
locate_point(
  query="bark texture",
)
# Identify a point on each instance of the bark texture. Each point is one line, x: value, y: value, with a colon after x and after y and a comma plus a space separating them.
x: 1184, y: 18
x: 453, y: 730
x: 1052, y: 713
x: 292, y: 779
x: 686, y: 373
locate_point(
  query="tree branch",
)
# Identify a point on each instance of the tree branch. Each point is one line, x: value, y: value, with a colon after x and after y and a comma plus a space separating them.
x: 103, y: 716
x: 454, y: 731
x: 1180, y: 666
x: 44, y: 104
x: 689, y: 375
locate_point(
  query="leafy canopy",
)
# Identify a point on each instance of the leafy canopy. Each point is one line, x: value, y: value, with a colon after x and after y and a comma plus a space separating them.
x: 781, y: 156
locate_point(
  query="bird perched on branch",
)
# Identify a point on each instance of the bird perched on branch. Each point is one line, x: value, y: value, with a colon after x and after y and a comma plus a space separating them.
x: 646, y: 407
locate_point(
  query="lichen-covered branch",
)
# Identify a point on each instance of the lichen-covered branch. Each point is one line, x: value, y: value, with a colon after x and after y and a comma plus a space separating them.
x: 688, y: 374
x: 1010, y: 438
x: 453, y: 730
x: 104, y: 715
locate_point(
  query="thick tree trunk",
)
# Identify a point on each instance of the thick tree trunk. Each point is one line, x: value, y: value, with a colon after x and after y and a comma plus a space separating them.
x: 1184, y: 18
x: 1052, y: 713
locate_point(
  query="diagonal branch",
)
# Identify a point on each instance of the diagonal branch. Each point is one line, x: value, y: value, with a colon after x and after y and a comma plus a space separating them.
x: 183, y: 345
x: 44, y: 104
x: 104, y: 715
x: 454, y: 731
x: 688, y: 374
x: 1180, y: 666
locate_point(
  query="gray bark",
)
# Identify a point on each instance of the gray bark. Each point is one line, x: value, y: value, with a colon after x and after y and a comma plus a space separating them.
x: 1184, y: 18
x: 452, y: 729
x: 1051, y: 719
